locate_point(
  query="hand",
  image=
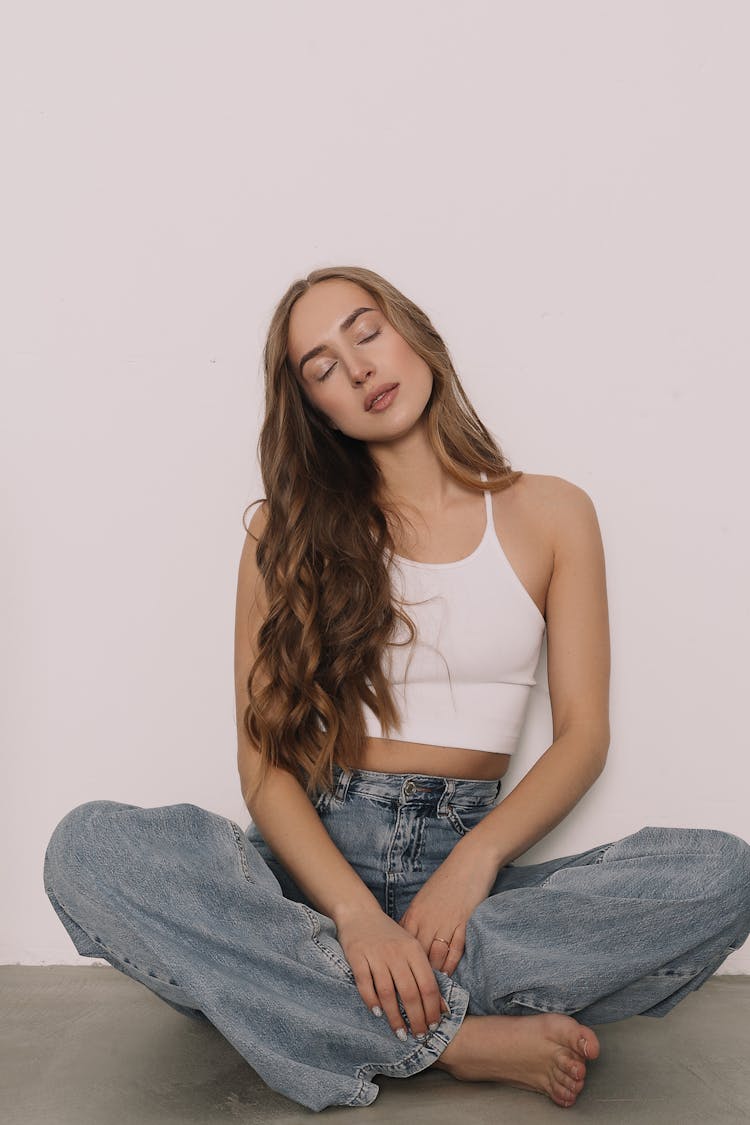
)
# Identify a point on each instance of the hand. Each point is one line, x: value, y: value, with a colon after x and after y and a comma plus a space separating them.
x: 382, y: 954
x: 445, y: 902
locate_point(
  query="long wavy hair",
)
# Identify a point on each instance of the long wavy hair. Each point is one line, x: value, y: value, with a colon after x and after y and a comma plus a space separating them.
x: 325, y: 550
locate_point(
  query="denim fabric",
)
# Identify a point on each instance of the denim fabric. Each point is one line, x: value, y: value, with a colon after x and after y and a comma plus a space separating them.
x: 185, y: 902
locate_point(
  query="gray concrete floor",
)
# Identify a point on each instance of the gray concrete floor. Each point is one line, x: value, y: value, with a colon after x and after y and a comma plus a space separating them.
x: 92, y: 1047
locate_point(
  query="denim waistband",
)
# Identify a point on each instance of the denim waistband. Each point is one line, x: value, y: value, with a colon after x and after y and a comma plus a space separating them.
x: 416, y: 789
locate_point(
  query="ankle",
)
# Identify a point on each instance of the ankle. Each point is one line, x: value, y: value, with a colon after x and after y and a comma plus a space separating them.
x: 448, y: 1056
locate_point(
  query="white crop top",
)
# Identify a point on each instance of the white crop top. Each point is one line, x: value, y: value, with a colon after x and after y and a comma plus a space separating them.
x: 479, y: 636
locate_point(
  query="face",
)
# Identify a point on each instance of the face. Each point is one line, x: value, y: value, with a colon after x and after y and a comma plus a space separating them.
x: 355, y: 352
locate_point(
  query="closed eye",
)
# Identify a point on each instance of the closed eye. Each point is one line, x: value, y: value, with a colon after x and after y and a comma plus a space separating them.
x: 364, y: 340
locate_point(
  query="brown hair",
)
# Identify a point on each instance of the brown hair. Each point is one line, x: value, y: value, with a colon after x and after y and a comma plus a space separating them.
x: 324, y: 552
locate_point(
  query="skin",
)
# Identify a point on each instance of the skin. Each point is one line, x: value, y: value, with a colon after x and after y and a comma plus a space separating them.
x: 546, y: 1052
x: 355, y: 365
x: 449, y: 518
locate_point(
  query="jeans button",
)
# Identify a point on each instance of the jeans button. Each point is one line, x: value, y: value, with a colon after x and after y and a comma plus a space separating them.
x: 409, y: 788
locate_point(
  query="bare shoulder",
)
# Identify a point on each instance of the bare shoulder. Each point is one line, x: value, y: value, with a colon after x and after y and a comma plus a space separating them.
x: 541, y: 488
x: 259, y: 519
x: 563, y: 507
x: 251, y: 610
x: 249, y: 581
x: 254, y: 530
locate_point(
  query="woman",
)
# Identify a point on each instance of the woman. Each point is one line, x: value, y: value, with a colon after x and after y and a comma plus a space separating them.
x: 390, y: 615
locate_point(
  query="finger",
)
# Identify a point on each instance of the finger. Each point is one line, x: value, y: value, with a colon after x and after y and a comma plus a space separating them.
x: 432, y: 999
x: 451, y: 961
x: 363, y: 979
x: 456, y: 950
x: 411, y: 997
x: 387, y: 999
x: 437, y: 953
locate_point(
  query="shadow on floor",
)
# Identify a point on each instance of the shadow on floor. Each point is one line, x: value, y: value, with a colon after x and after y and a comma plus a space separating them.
x: 89, y: 1046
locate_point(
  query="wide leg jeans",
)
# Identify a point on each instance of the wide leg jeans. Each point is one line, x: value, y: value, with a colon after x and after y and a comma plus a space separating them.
x: 201, y: 912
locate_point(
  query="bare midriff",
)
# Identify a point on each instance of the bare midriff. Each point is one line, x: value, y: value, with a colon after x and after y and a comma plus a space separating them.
x: 390, y: 755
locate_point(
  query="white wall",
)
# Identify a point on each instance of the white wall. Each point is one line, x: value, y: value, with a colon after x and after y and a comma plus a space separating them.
x: 563, y: 187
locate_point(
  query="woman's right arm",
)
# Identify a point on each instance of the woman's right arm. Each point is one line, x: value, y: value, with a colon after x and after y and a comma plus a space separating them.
x: 380, y: 952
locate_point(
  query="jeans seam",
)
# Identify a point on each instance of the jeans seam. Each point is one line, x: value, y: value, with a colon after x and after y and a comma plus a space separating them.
x: 357, y: 1099
x: 456, y: 821
x: 602, y: 856
x: 113, y: 952
x: 376, y: 799
x: 528, y: 1000
x: 390, y: 890
x: 659, y: 974
x: 339, y: 962
x: 239, y: 840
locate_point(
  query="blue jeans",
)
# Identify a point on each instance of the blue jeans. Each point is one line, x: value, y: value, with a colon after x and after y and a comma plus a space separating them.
x: 185, y: 902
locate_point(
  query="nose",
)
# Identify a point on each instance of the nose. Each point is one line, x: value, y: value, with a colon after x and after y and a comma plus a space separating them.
x: 361, y: 374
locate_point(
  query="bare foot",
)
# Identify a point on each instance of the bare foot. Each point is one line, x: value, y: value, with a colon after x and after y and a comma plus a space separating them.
x: 544, y: 1053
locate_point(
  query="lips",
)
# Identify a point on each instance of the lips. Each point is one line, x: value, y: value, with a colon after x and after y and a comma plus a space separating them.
x: 378, y: 391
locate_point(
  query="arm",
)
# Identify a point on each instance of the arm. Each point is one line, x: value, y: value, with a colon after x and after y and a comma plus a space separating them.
x: 578, y: 668
x: 387, y: 963
x: 295, y: 834
x: 578, y: 665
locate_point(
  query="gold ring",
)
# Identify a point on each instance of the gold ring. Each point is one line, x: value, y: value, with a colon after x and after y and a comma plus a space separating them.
x: 441, y: 939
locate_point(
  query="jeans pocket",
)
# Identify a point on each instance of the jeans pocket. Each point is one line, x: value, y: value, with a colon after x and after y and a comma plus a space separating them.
x: 466, y: 817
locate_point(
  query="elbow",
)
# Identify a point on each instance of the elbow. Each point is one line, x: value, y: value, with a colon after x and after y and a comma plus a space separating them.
x: 601, y: 753
x: 248, y: 768
x: 592, y: 745
x: 592, y: 736
x: 601, y: 762
x: 255, y: 773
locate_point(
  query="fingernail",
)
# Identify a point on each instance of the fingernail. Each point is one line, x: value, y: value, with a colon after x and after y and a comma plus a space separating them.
x: 585, y: 1046
x: 376, y: 1011
x: 421, y: 1036
x: 401, y: 1034
x: 433, y: 1027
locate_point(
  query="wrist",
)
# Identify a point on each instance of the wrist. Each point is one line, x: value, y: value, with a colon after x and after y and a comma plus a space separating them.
x: 481, y: 849
x: 355, y: 908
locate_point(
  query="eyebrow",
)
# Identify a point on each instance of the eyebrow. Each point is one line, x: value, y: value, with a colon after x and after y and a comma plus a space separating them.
x: 347, y: 322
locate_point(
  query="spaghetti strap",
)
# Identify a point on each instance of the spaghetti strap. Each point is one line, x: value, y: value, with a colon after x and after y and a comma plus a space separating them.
x: 487, y: 501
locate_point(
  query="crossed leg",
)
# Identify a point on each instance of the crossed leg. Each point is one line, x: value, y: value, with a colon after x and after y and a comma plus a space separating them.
x: 630, y: 927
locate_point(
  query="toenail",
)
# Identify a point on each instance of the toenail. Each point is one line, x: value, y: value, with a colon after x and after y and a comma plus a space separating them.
x: 585, y: 1046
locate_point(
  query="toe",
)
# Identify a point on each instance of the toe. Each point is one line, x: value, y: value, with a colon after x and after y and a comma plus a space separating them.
x: 572, y: 1064
x: 561, y: 1094
x: 588, y: 1044
x: 564, y: 1079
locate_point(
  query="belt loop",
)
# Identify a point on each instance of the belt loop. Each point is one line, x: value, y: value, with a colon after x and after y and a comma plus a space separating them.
x: 449, y: 788
x: 342, y: 783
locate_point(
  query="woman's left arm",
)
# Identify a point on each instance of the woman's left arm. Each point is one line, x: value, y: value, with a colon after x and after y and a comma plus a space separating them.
x: 578, y: 669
